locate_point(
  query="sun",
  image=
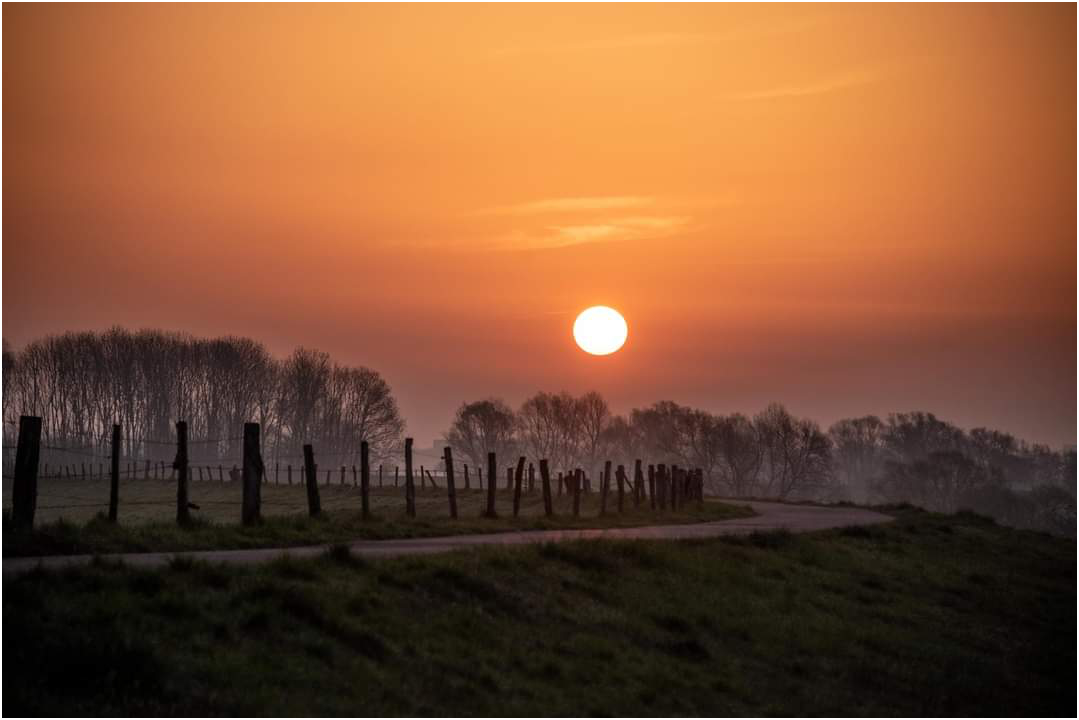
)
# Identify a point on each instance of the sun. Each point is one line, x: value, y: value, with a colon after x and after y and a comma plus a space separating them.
x: 600, y: 330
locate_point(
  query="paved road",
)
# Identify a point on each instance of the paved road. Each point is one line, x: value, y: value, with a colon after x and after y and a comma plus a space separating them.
x: 770, y: 516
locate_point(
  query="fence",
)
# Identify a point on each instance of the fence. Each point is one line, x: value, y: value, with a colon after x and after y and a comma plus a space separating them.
x: 665, y: 488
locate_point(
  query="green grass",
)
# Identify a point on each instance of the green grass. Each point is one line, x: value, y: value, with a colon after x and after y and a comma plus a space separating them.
x: 929, y: 615
x: 342, y: 522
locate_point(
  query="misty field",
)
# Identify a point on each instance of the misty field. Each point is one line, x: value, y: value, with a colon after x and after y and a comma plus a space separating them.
x: 148, y: 510
x: 929, y: 615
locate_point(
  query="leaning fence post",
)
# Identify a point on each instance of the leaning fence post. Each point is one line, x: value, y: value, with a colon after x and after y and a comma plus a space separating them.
x: 620, y: 476
x: 365, y: 479
x: 604, y: 486
x: 492, y: 473
x: 183, y: 516
x: 310, y: 471
x: 451, y: 489
x: 114, y: 481
x: 24, y: 488
x: 253, y: 470
x: 410, y: 483
x: 545, y: 480
x: 517, y: 478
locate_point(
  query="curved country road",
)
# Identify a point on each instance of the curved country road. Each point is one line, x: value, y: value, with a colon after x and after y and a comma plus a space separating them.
x: 770, y: 516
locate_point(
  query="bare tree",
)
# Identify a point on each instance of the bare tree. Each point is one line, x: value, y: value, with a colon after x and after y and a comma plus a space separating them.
x: 796, y: 453
x: 481, y: 427
x: 858, y: 456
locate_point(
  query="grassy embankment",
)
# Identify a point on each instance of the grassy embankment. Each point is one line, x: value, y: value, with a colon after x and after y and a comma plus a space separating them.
x: 929, y: 615
x: 148, y: 525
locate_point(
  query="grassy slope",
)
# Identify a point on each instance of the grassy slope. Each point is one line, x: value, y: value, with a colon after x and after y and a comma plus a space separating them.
x: 928, y: 615
x: 345, y: 523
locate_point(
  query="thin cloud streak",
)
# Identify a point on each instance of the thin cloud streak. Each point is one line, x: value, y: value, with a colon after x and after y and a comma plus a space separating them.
x: 841, y: 82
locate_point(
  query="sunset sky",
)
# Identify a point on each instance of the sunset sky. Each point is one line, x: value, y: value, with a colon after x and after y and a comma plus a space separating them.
x: 848, y: 209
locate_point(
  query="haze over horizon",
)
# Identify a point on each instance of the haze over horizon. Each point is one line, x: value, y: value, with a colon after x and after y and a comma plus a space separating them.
x: 849, y: 210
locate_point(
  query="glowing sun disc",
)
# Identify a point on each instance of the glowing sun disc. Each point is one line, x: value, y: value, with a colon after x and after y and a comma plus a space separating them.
x: 600, y: 330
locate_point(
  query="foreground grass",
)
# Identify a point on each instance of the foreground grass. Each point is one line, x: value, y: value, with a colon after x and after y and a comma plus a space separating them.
x: 344, y: 524
x: 927, y: 616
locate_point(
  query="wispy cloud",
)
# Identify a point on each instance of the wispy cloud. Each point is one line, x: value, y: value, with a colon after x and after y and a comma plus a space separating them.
x: 618, y: 229
x: 568, y: 205
x: 832, y: 84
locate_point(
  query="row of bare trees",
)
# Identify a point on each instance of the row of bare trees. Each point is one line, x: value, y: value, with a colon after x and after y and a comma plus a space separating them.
x: 907, y: 457
x: 774, y: 454
x: 80, y: 383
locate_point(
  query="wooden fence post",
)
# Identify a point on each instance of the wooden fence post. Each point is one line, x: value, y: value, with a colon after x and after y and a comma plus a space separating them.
x: 328, y: 472
x: 253, y: 471
x: 545, y: 481
x: 620, y: 476
x: 492, y: 470
x: 509, y: 478
x: 577, y: 492
x: 380, y: 475
x: 365, y: 479
x: 531, y: 478
x: 518, y: 477
x: 661, y: 486
x: 396, y: 474
x: 674, y: 475
x: 183, y: 516
x: 276, y: 473
x: 604, y: 485
x: 466, y: 478
x: 24, y: 487
x: 479, y: 477
x: 410, y: 484
x: 451, y: 490
x: 559, y: 483
x: 423, y: 479
x: 310, y: 471
x: 114, y: 481
x: 288, y: 473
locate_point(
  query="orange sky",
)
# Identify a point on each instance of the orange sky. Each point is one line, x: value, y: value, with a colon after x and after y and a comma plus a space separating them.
x: 849, y: 209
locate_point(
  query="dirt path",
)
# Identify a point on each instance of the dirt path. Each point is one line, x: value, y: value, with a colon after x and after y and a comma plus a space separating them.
x: 770, y: 516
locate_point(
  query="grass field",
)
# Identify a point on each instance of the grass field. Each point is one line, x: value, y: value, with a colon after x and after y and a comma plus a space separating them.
x: 929, y: 615
x: 149, y: 524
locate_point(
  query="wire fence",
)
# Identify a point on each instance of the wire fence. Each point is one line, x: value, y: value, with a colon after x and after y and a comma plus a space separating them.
x: 77, y: 479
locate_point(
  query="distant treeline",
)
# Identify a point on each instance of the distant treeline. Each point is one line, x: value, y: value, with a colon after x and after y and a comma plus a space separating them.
x: 81, y: 383
x: 908, y: 457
